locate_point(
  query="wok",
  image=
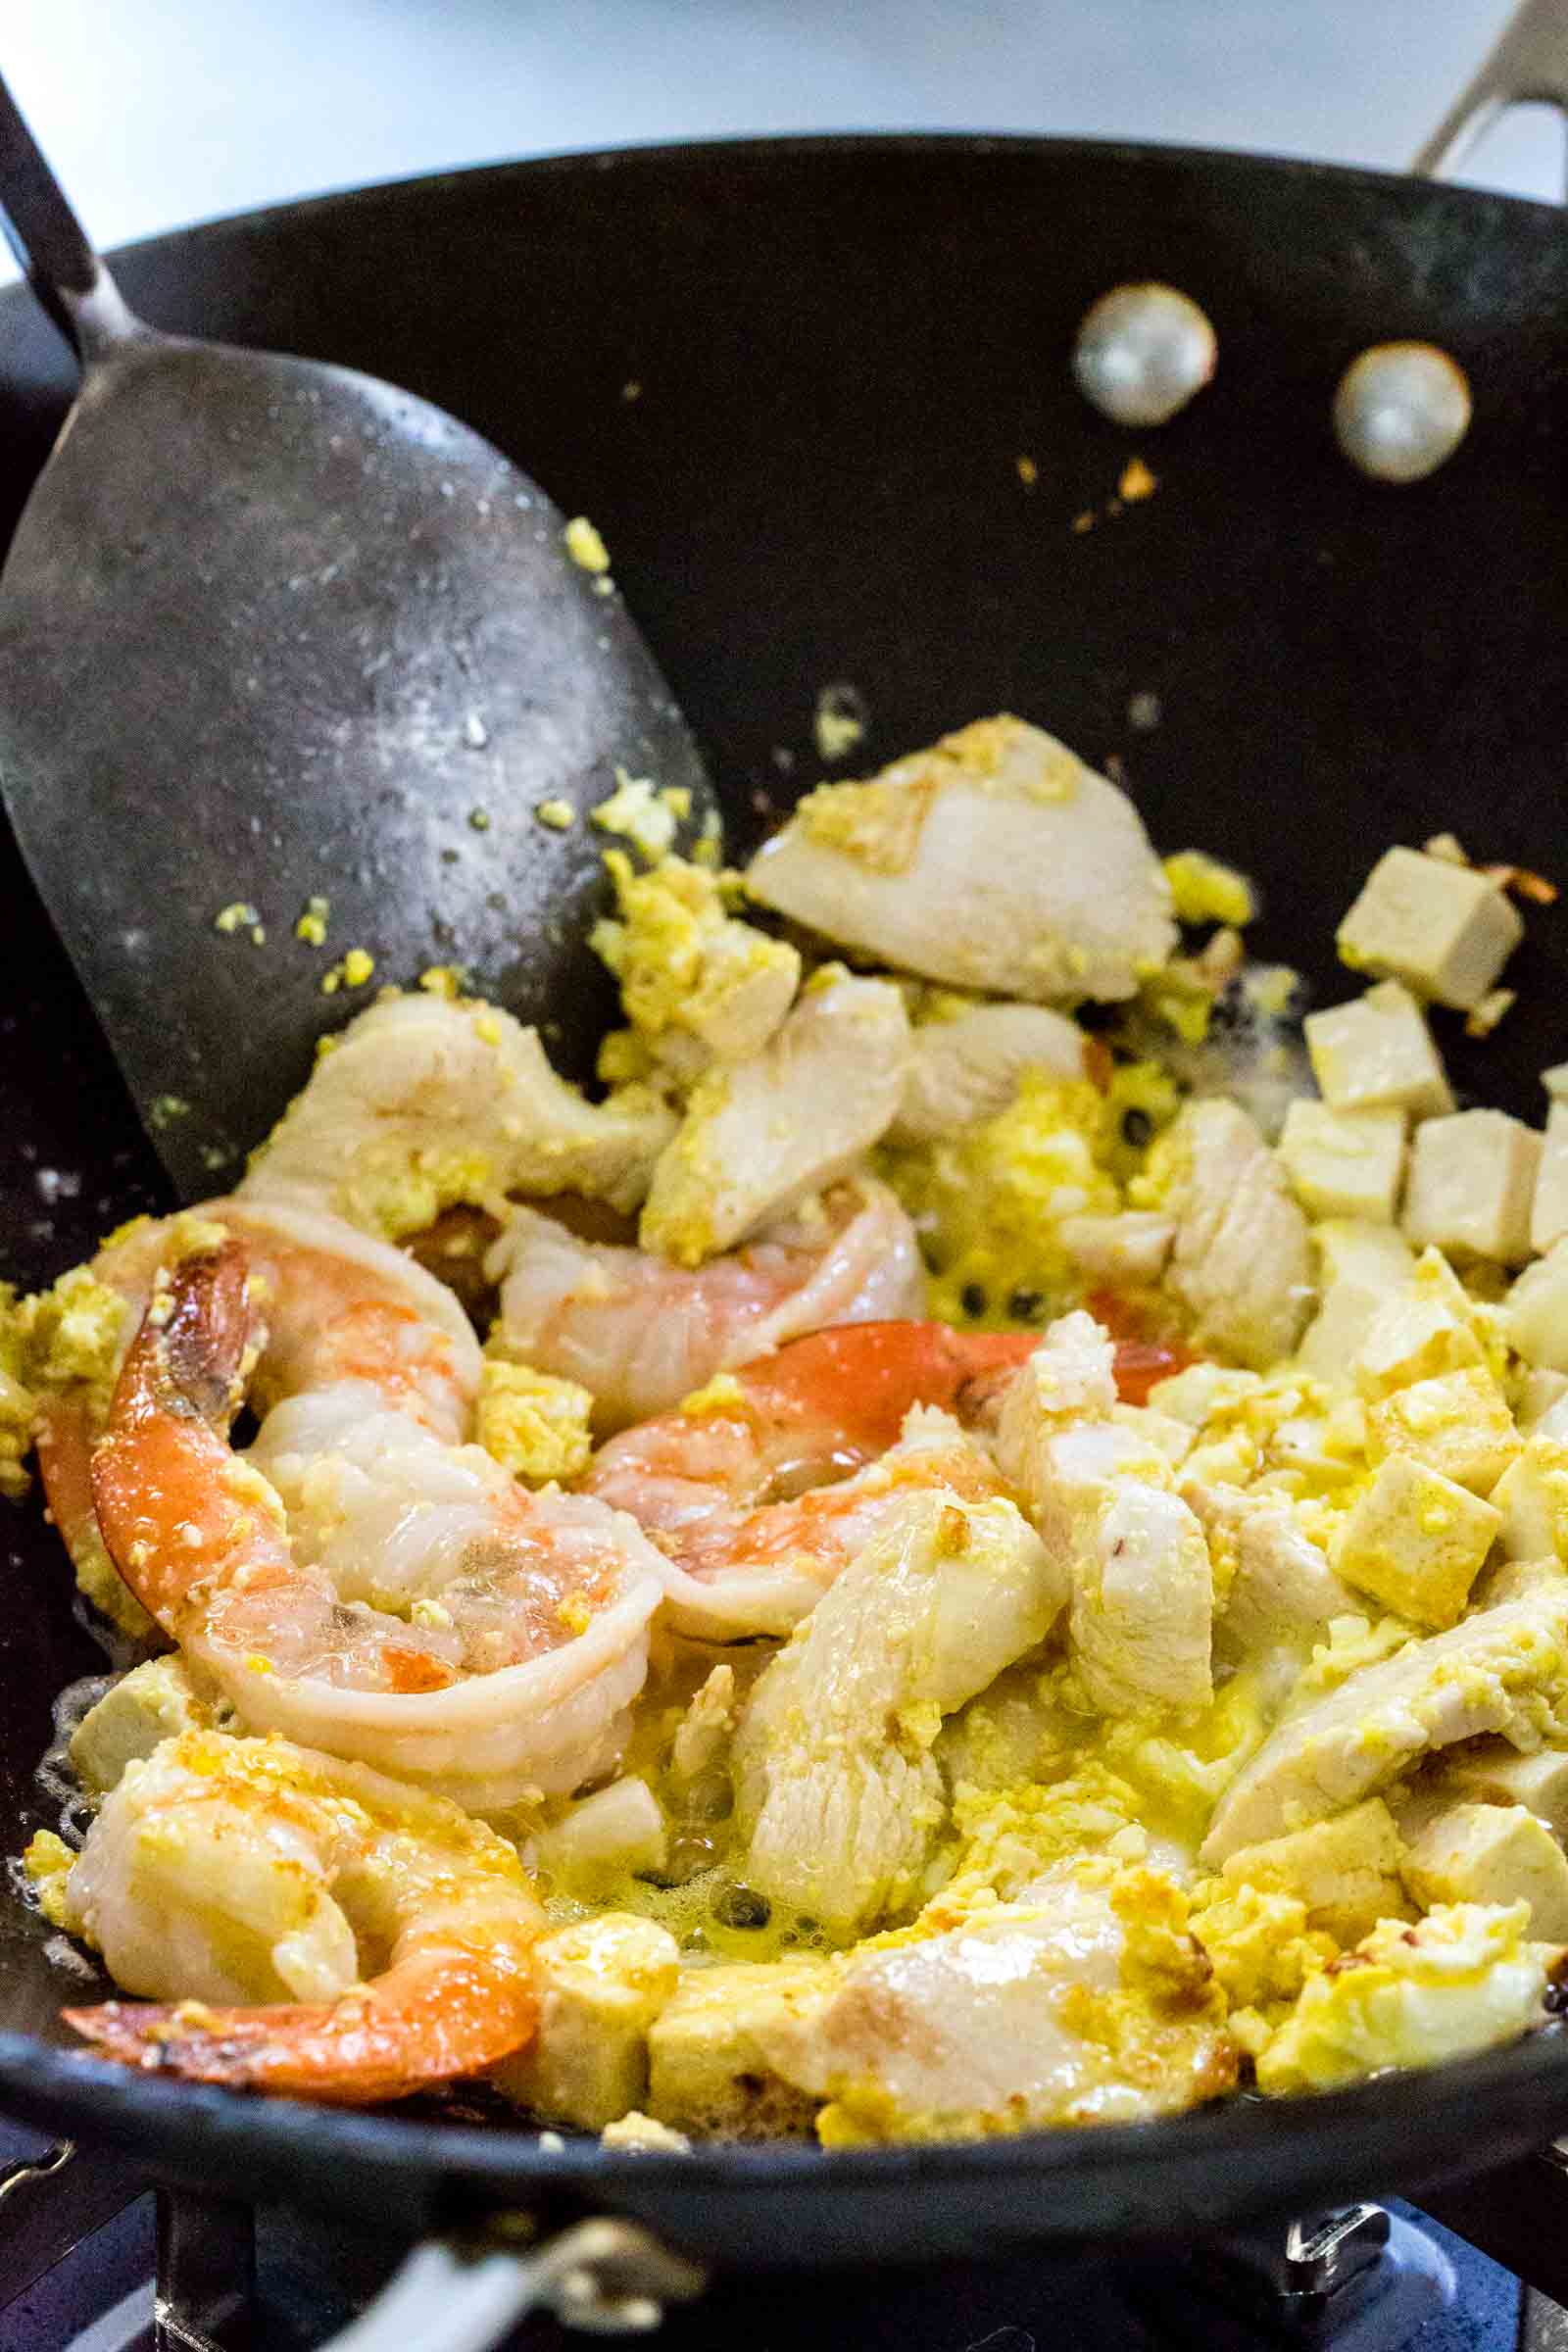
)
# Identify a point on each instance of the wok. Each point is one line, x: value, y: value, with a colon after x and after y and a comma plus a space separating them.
x: 843, y: 346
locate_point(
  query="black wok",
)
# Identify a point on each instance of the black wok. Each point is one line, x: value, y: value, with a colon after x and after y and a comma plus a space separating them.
x: 843, y: 346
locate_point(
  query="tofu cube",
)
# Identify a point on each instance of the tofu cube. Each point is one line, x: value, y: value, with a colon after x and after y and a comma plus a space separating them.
x: 1418, y: 1333
x: 1479, y: 1853
x: 707, y: 2074
x: 1376, y: 1053
x: 1536, y: 1311
x: 1415, y: 1542
x: 1352, y: 1249
x: 601, y: 1983
x: 1360, y: 1266
x: 1458, y: 1424
x: 1540, y: 1405
x: 1344, y: 1163
x: 1549, y: 1209
x: 1446, y: 930
x: 1472, y: 1181
x: 1346, y: 1869
x: 1533, y: 1497
x: 1496, y: 1774
x: 153, y: 1702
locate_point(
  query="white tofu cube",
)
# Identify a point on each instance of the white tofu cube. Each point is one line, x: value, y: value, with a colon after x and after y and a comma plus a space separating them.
x: 155, y: 1701
x: 1549, y: 1211
x: 1446, y: 930
x: 1415, y: 1542
x: 1496, y: 1774
x: 1417, y: 1334
x: 1472, y: 1180
x: 1536, y: 1311
x: 1344, y: 1163
x: 600, y: 1983
x: 1540, y: 1406
x: 1344, y: 1869
x: 1458, y: 1423
x: 1479, y: 1853
x: 1351, y: 1249
x: 1360, y: 1268
x: 1533, y: 1497
x: 1376, y: 1053
x: 617, y: 1829
x: 707, y: 2072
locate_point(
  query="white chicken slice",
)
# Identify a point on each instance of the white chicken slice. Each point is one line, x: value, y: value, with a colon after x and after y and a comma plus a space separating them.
x: 1282, y: 1585
x: 966, y: 1068
x: 1503, y: 1669
x: 424, y: 1101
x: 995, y: 860
x: 1242, y: 1261
x: 1129, y: 1247
x: 1070, y: 1376
x: 1141, y: 1613
x: 838, y: 1794
x: 641, y: 1333
x: 983, y: 2029
x: 760, y: 1135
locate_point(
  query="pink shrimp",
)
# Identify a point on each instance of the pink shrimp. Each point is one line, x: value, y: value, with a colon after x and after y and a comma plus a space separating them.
x: 244, y: 1880
x: 759, y: 1500
x: 641, y: 1333
x: 422, y: 1613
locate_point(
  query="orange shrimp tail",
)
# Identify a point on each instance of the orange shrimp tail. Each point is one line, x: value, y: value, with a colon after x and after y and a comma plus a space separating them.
x: 863, y: 1377
x: 425, y: 2023
x: 157, y: 1474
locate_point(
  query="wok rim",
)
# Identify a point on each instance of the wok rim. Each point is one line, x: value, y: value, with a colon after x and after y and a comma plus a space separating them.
x: 1398, y: 2130
x: 1266, y: 2156
x: 754, y: 150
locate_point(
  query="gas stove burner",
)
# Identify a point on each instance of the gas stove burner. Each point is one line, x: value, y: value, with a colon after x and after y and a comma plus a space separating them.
x: 93, y: 2260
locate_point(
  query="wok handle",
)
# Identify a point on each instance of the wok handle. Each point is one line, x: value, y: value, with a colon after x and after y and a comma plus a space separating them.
x: 51, y: 245
x: 608, y: 2277
x: 1526, y: 66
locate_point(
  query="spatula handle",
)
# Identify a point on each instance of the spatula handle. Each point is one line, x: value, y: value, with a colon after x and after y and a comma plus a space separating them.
x: 50, y: 242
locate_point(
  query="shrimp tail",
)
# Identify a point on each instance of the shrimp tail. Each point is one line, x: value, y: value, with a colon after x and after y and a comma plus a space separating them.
x: 431, y: 2020
x: 159, y: 1486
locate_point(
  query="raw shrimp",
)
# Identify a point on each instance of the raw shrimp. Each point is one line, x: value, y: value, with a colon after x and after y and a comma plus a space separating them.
x: 734, y: 1492
x: 641, y: 1333
x: 225, y: 1871
x: 423, y: 1614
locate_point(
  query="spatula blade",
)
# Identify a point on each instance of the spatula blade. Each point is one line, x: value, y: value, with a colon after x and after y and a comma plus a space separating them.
x: 273, y: 632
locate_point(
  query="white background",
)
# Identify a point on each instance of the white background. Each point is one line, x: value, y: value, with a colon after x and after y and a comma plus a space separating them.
x: 156, y: 112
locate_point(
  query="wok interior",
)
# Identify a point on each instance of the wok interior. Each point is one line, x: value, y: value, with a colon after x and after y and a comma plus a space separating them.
x: 841, y: 350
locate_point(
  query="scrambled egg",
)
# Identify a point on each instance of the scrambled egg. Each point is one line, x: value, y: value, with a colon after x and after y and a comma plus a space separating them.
x: 987, y: 1203
x: 534, y: 1424
x: 1464, y: 1977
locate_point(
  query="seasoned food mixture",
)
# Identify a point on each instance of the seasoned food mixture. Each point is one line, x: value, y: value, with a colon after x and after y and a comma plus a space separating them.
x: 979, y: 1543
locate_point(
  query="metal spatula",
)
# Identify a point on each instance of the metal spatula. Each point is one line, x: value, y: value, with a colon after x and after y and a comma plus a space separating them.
x: 274, y: 633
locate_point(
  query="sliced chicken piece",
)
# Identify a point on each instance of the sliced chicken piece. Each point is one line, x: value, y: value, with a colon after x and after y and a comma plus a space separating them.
x: 1242, y: 1262
x: 995, y: 860
x: 1503, y: 1669
x: 760, y: 1135
x: 966, y: 1066
x: 1280, y: 1584
x: 838, y: 1794
x: 423, y: 1102
x: 697, y: 986
x: 1140, y: 1623
x: 1021, y: 2017
x: 1132, y: 1245
x: 1070, y: 1376
x: 1100, y: 1491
